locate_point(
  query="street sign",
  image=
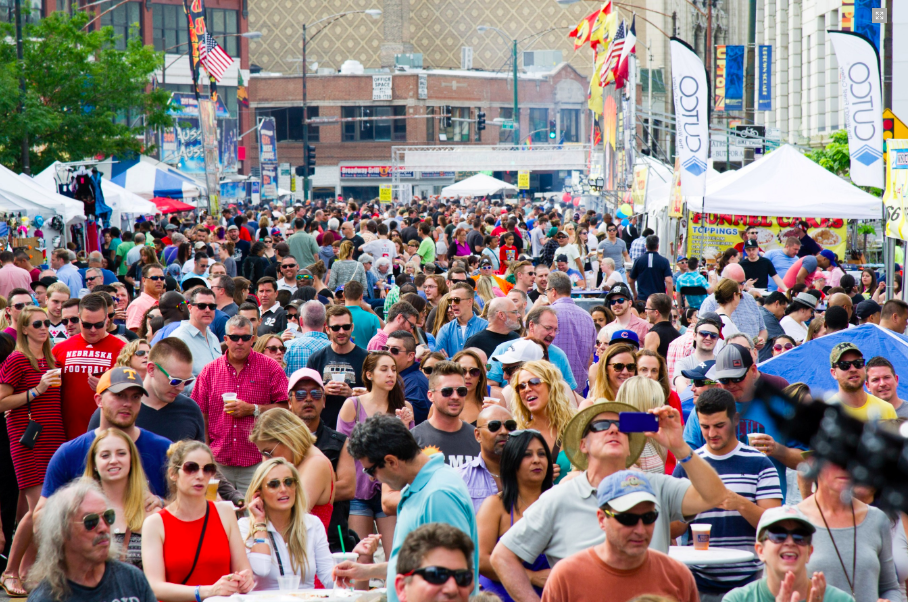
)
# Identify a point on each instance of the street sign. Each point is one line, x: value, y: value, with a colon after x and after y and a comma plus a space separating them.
x: 320, y: 120
x: 523, y: 180
x: 385, y: 194
x: 749, y: 136
x: 507, y: 125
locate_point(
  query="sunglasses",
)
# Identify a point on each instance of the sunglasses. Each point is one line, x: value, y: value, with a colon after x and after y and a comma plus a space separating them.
x: 439, y: 575
x: 339, y: 327
x: 276, y: 348
x: 193, y: 467
x: 629, y: 519
x: 91, y: 521
x: 846, y: 364
x: 511, y: 369
x: 619, y: 367
x: 779, y: 535
x: 288, y: 266
x: 495, y: 425
x: 236, y: 338
x: 94, y: 326
x: 19, y: 306
x: 617, y: 301
x: 534, y: 382
x: 303, y: 277
x: 702, y: 382
x: 155, y: 278
x: 448, y: 391
x: 708, y: 335
x: 780, y: 347
x: 733, y: 381
x: 289, y: 483
x: 392, y: 350
x: 301, y: 394
x: 175, y: 382
x: 66, y: 321
x: 141, y: 352
x: 474, y: 372
x: 39, y: 323
x: 427, y: 370
x: 371, y: 470
x: 211, y: 306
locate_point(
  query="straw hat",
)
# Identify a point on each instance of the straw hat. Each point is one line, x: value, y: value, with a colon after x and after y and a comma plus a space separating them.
x: 573, y: 433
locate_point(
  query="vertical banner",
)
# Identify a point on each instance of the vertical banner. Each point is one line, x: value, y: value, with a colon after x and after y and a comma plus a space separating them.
x: 863, y: 21
x: 523, y: 180
x: 691, y: 95
x: 195, y: 16
x: 228, y: 148
x: 847, y: 12
x: 675, y: 198
x: 859, y: 72
x: 764, y: 78
x: 268, y: 157
x: 269, y: 181
x: 734, y: 78
x: 209, y: 128
x: 630, y: 120
x: 721, y: 71
x: 895, y: 199
x: 609, y: 134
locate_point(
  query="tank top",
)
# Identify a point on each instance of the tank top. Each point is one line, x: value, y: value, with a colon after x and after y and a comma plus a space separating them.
x: 181, y: 540
x: 495, y: 587
x: 667, y: 333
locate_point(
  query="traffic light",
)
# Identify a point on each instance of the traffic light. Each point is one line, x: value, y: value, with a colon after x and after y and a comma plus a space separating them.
x: 552, y: 129
x: 888, y: 128
x: 309, y: 161
x: 300, y: 171
x: 480, y: 121
x: 446, y: 120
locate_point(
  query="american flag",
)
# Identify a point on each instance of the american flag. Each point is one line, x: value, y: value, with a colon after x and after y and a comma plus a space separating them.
x: 214, y: 58
x: 614, y: 53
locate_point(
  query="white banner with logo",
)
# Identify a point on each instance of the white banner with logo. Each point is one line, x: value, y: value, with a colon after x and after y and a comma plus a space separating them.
x: 859, y: 74
x: 691, y: 120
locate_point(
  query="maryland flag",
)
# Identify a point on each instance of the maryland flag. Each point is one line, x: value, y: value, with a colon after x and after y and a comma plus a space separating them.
x: 581, y: 33
x: 242, y: 95
x: 599, y: 35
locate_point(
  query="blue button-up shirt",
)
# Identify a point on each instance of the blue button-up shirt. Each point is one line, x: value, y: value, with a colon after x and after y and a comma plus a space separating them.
x: 479, y: 481
x: 451, y: 336
x: 69, y: 275
x: 747, y: 317
x: 204, y: 346
x: 416, y: 391
x: 300, y: 348
x: 436, y: 495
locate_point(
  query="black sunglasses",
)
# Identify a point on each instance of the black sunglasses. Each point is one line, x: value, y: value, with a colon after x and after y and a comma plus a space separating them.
x: 39, y: 323
x: 733, y: 381
x: 66, y: 321
x: 193, y: 467
x: 509, y: 370
x: 427, y: 370
x: 287, y: 481
x: 474, y: 372
x: 707, y: 334
x: 778, y: 535
x: 157, y: 278
x: 392, y: 350
x: 211, y: 306
x: 371, y: 470
x: 300, y: 394
x: 629, y: 519
x: 288, y: 266
x: 94, y: 326
x: 619, y: 367
x: 141, y: 352
x: 617, y: 301
x: 19, y: 306
x: 525, y: 385
x: 276, y: 348
x: 448, y: 391
x: 847, y: 364
x: 702, y: 382
x: 91, y: 521
x: 339, y: 327
x: 495, y: 425
x: 236, y: 338
x: 439, y: 575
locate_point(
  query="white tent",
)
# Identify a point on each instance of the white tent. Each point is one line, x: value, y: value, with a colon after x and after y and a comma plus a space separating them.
x: 477, y: 185
x: 26, y: 188
x: 786, y: 183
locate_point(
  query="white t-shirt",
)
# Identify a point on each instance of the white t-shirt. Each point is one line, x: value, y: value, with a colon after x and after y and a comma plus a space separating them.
x: 796, y: 331
x: 572, y: 254
x: 381, y: 248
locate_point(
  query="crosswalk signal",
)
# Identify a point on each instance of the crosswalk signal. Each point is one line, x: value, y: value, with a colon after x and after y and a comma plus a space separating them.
x: 309, y: 161
x: 480, y: 121
x: 551, y: 130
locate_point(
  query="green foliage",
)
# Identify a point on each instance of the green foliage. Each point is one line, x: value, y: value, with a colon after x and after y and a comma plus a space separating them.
x: 836, y: 158
x: 84, y: 97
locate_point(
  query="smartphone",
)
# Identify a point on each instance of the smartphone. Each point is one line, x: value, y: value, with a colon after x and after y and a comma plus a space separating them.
x: 637, y: 422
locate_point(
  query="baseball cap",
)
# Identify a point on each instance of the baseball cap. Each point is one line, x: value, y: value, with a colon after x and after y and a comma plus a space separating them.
x: 841, y: 349
x: 772, y: 516
x: 733, y: 361
x: 712, y: 318
x: 560, y: 233
x: 625, y: 489
x: 561, y: 257
x: 485, y: 262
x: 829, y: 255
x: 305, y: 373
x: 867, y: 308
x: 192, y: 282
x: 619, y: 289
x: 699, y: 372
x: 46, y: 281
x: 199, y: 245
x: 521, y: 350
x: 751, y: 244
x: 117, y: 380
x: 552, y: 232
x: 628, y: 337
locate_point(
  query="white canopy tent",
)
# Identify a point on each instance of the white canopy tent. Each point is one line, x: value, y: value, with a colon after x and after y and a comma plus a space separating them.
x: 786, y: 183
x: 478, y: 185
x: 26, y: 188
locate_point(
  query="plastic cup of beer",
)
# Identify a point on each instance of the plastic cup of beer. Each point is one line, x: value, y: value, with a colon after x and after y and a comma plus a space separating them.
x: 56, y: 373
x: 288, y: 583
x: 700, y: 533
x: 228, y: 397
x: 340, y: 557
x: 211, y: 492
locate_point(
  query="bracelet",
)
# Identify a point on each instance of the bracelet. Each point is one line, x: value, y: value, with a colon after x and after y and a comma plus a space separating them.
x: 257, y: 525
x: 687, y: 459
x: 198, y: 593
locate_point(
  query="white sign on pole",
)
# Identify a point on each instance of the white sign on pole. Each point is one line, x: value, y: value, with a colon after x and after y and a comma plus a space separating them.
x: 423, y: 89
x: 381, y: 87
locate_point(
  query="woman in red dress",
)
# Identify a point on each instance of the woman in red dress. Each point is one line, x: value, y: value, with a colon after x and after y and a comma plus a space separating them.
x: 192, y: 549
x: 30, y: 390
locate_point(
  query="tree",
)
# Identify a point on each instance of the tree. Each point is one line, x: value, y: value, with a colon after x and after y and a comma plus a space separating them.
x: 836, y: 158
x: 83, y: 96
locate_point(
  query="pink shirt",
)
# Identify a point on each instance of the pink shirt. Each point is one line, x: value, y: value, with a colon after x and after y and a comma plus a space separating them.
x: 375, y: 343
x: 12, y: 276
x: 137, y: 309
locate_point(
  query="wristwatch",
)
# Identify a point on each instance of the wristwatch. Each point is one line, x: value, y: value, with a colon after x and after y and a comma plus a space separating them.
x: 256, y: 410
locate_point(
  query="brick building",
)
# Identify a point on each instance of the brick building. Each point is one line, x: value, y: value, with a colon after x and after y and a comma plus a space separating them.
x: 549, y: 101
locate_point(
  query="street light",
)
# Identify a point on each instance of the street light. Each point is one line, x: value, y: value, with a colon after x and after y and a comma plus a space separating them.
x: 516, y: 116
x: 372, y: 12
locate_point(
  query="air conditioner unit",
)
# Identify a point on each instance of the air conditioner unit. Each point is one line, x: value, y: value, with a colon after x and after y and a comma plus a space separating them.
x: 412, y: 60
x: 541, y: 60
x: 466, y: 58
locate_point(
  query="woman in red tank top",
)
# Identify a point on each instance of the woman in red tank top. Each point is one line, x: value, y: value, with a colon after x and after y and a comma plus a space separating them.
x: 192, y: 549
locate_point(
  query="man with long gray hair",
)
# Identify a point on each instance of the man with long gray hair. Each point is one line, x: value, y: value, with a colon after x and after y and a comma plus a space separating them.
x: 76, y: 561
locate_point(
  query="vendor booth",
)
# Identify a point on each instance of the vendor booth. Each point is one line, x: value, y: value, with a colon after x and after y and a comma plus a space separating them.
x: 149, y: 178
x: 478, y: 185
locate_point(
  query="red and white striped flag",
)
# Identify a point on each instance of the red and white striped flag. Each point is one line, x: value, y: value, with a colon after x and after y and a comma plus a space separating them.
x: 214, y: 58
x: 614, y: 53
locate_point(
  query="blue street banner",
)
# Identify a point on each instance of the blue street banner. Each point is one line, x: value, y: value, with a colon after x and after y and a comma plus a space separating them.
x: 267, y: 141
x: 734, y: 78
x: 857, y: 16
x: 764, y: 78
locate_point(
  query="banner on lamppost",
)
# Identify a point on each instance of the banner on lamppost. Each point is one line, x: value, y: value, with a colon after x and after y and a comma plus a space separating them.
x: 691, y: 95
x: 764, y: 78
x: 859, y: 73
x: 209, y: 127
x: 734, y: 78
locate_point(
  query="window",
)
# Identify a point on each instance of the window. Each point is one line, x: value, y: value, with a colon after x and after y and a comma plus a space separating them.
x: 430, y: 124
x: 570, y: 124
x: 122, y: 18
x: 223, y: 23
x: 171, y: 32
x: 29, y: 15
x: 539, y: 125
x: 459, y: 130
x: 382, y: 129
x: 288, y: 122
x: 505, y: 136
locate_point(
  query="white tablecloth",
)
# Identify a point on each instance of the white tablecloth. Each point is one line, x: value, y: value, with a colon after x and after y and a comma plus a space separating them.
x: 689, y: 556
x: 303, y: 595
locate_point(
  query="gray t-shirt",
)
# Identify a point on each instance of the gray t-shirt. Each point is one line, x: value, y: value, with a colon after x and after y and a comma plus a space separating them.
x: 902, y: 410
x: 121, y: 582
x: 459, y: 448
x: 614, y: 250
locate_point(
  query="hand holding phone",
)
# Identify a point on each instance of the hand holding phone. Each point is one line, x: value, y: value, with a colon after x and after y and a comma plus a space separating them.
x: 637, y: 422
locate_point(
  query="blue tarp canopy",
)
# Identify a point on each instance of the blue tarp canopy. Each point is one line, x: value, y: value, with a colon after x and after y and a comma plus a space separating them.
x: 809, y: 363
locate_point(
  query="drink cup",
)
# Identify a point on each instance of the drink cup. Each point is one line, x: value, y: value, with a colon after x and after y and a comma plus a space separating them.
x: 338, y: 377
x: 56, y: 373
x: 211, y: 492
x: 288, y: 583
x: 228, y: 397
x: 700, y: 535
x: 751, y: 439
x: 339, y: 557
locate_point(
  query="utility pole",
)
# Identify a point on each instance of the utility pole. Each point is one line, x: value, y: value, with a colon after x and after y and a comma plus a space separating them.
x: 516, y: 109
x: 305, y: 122
x: 26, y: 166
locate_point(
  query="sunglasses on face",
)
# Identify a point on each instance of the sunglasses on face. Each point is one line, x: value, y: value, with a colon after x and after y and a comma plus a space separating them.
x: 600, y: 426
x: 141, y: 352
x: 495, y: 425
x: 94, y: 326
x: 301, y: 394
x: 427, y: 370
x: 708, y: 335
x: 847, y: 364
x: 193, y: 467
x: 339, y: 327
x: 702, y: 382
x: 19, y: 306
x: 533, y: 382
x: 448, y: 391
x: 155, y: 278
x: 66, y: 321
x: 619, y: 367
x: 780, y: 347
x: 779, y: 535
x: 91, y: 521
x: 392, y: 350
x: 39, y: 323
x: 733, y: 381
x: 617, y: 301
x: 276, y: 348
x: 175, y: 382
x: 439, y: 575
x: 203, y: 306
x: 510, y: 370
x: 629, y: 519
x: 236, y: 338
x: 289, y: 483
x: 370, y: 471
x: 474, y: 372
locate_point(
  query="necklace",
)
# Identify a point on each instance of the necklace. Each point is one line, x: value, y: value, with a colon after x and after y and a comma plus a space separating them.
x: 854, y: 551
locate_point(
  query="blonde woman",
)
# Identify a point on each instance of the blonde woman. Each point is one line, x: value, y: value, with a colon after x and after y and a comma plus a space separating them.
x: 135, y: 355
x: 443, y: 315
x: 281, y: 434
x: 345, y: 268
x: 172, y: 537
x: 113, y: 462
x: 542, y: 404
x: 645, y: 394
x: 271, y: 346
x: 485, y: 289
x: 612, y: 370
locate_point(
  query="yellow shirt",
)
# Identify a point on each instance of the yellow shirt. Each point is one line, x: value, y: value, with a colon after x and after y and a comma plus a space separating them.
x: 873, y: 409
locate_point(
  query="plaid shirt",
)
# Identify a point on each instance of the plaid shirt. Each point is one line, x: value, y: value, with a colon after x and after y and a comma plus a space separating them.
x: 261, y: 382
x: 638, y: 248
x: 300, y: 348
x: 747, y: 317
x: 576, y: 337
x: 679, y: 349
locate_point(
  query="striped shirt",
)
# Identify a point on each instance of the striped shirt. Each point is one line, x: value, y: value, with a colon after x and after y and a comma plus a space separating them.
x: 750, y: 474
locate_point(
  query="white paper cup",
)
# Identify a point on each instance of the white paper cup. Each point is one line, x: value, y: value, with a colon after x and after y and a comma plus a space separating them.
x: 288, y: 583
x: 338, y: 377
x: 340, y: 557
x: 700, y: 533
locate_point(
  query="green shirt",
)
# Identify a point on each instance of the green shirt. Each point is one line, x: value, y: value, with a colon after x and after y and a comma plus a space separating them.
x: 426, y: 250
x: 365, y: 325
x: 122, y: 249
x: 758, y: 591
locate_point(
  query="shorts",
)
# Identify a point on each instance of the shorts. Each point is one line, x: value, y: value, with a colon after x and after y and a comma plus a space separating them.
x: 370, y: 507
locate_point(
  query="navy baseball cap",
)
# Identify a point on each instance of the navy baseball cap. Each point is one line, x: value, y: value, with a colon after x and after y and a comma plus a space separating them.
x: 699, y: 371
x: 625, y: 336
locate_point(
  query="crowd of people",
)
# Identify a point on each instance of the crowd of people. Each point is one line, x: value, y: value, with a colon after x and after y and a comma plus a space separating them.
x: 212, y: 405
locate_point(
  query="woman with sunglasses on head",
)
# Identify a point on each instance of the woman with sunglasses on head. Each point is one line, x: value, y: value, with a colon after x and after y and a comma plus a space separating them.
x: 135, y: 355
x: 30, y: 391
x: 474, y: 375
x: 783, y: 344
x: 385, y: 396
x: 526, y: 472
x: 616, y: 366
x: 542, y: 404
x: 113, y: 461
x: 192, y: 549
x: 271, y: 346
